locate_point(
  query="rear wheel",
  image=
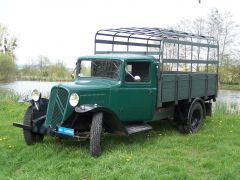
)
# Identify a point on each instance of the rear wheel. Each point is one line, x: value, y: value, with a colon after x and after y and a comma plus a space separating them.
x: 29, y: 136
x: 193, y: 119
x: 95, y: 134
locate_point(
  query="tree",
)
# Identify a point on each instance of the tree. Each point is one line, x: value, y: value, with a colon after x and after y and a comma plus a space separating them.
x: 8, y: 44
x: 7, y: 67
x: 42, y: 63
x: 222, y: 27
x: 58, y: 70
x: 217, y: 25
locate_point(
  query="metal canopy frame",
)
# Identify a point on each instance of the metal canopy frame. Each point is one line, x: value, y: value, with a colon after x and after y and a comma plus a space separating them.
x: 153, y: 41
x: 148, y: 34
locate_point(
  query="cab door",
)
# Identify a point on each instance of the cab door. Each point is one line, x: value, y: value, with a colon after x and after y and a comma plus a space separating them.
x: 137, y: 97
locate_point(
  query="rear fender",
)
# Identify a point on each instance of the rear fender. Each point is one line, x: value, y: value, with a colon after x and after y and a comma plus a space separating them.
x: 201, y: 101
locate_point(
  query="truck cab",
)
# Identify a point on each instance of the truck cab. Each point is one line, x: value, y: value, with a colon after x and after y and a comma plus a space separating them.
x: 130, y: 79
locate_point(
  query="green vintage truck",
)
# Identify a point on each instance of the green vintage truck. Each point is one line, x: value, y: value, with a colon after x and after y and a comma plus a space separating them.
x: 137, y: 76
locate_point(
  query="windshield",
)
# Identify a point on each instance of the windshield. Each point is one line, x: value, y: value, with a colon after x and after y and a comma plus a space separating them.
x: 109, y: 69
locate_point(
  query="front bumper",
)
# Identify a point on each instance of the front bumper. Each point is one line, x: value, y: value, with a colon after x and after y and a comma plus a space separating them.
x: 81, y: 136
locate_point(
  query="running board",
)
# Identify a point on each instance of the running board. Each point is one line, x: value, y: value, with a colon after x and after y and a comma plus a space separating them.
x: 135, y: 128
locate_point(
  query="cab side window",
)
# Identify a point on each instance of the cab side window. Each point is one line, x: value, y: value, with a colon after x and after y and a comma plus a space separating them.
x: 141, y: 69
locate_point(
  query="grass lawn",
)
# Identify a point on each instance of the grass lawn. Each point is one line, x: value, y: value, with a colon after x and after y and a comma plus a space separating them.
x: 163, y: 153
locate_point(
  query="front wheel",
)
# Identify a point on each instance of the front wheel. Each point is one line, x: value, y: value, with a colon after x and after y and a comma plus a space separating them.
x: 95, y: 134
x: 29, y: 136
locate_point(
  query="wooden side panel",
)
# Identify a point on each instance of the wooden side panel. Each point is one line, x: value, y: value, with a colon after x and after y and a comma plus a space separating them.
x: 174, y: 87
x: 168, y: 87
x: 183, y: 86
x: 198, y: 85
x: 212, y: 84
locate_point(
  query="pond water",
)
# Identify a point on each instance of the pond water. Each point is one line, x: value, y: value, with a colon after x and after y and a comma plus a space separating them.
x: 26, y: 87
x: 228, y: 97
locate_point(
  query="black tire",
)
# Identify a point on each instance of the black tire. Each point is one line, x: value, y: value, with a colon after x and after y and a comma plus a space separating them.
x: 29, y: 136
x: 195, y: 118
x: 182, y: 128
x: 95, y: 134
x: 192, y: 118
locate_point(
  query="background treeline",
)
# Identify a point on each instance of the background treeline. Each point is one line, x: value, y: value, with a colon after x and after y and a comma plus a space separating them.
x: 43, y: 69
x: 40, y: 68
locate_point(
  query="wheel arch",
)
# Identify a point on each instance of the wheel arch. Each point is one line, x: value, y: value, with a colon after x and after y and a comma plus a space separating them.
x: 202, y: 102
x: 111, y: 122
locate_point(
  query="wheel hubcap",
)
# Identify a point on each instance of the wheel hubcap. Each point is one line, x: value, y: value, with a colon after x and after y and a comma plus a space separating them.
x: 195, y: 119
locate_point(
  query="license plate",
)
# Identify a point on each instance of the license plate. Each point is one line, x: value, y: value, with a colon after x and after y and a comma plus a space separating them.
x: 67, y: 131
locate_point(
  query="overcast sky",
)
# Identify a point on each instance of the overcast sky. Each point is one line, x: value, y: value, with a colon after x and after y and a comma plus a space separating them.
x: 65, y: 29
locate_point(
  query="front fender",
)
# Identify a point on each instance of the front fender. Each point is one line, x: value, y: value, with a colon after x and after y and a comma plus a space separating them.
x: 40, y: 105
x: 25, y: 99
x: 86, y: 108
x: 111, y: 122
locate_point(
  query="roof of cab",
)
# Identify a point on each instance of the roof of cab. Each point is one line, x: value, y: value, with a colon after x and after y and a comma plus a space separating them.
x: 122, y: 57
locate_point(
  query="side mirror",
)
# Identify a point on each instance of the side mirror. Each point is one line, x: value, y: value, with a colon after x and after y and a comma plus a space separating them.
x: 72, y: 76
x: 137, y: 78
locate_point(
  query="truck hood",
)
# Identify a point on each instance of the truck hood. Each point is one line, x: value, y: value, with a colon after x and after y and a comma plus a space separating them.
x: 89, y: 84
x: 90, y: 91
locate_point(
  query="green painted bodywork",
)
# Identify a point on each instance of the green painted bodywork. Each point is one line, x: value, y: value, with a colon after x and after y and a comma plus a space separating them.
x: 135, y: 101
x: 129, y: 101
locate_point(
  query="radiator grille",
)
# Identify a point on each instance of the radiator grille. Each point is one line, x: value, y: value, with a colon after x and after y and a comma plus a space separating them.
x: 57, y: 105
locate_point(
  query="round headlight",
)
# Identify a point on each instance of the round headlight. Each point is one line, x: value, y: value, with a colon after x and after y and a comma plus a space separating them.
x: 74, y: 99
x: 36, y: 95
